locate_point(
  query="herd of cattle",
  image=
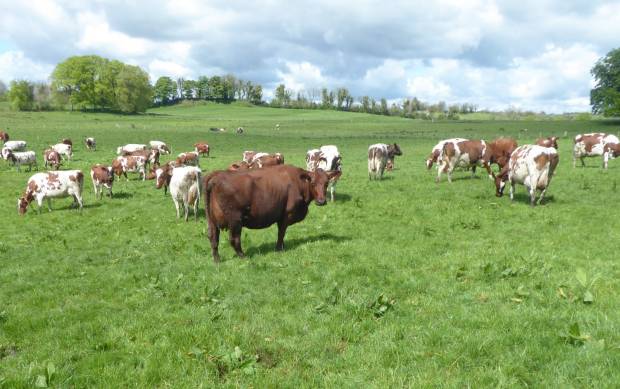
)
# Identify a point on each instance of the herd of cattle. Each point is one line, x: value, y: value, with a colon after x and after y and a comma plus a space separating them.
x: 260, y: 190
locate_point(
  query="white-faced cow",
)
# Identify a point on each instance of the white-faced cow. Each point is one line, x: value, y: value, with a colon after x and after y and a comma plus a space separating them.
x: 185, y: 189
x: 591, y: 145
x: 469, y: 153
x: 163, y: 174
x: 91, y: 143
x: 530, y: 165
x: 63, y: 149
x: 258, y: 198
x: 50, y: 185
x: 51, y: 158
x: 129, y: 164
x: 102, y: 177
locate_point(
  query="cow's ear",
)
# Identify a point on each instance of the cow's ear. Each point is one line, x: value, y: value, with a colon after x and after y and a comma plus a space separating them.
x: 307, y: 176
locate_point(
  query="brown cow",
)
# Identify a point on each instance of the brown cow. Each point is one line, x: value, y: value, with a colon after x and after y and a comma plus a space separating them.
x: 202, y: 148
x: 4, y: 136
x: 267, y: 160
x: 191, y: 158
x: 51, y: 158
x: 551, y: 141
x: 259, y: 198
x: 102, y: 177
x: 499, y: 151
x: 163, y: 175
x: 239, y: 165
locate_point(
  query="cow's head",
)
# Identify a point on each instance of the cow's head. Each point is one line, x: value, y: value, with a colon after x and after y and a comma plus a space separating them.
x: 316, y: 188
x: 500, y: 181
x: 162, y: 176
x: 614, y: 149
x: 394, y: 150
x: 554, y: 142
x: 24, y: 201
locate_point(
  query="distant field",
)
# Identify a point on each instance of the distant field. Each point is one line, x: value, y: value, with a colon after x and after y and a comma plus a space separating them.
x: 402, y: 282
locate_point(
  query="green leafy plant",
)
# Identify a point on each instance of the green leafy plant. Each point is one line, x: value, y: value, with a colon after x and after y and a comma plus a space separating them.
x: 585, y: 286
x: 574, y: 335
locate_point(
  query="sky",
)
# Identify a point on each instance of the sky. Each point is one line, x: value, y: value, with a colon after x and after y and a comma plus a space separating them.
x: 527, y: 54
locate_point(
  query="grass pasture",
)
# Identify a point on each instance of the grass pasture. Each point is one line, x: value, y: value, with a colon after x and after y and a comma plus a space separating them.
x: 402, y: 282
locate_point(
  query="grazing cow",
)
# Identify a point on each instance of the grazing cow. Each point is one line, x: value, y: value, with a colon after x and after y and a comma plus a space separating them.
x: 436, y: 152
x: 90, y: 143
x: 250, y: 156
x: 151, y: 156
x: 202, y: 148
x: 50, y: 185
x: 20, y: 158
x: 551, y: 141
x: 4, y: 136
x: 329, y: 160
x: 191, y: 158
x: 132, y: 164
x: 185, y: 189
x: 499, y: 151
x: 52, y: 158
x: 239, y: 165
x: 393, y: 151
x: 14, y: 145
x: 259, y: 198
x: 128, y: 148
x: 266, y: 160
x: 240, y: 130
x: 590, y: 145
x: 159, y: 145
x: 530, y: 165
x: 163, y: 174
x: 103, y: 177
x: 64, y: 150
x: 468, y: 153
x: 67, y: 141
x: 610, y: 151
x: 377, y: 159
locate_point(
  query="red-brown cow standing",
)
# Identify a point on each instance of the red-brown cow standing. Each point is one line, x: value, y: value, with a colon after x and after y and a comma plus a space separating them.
x: 499, y: 151
x: 259, y: 198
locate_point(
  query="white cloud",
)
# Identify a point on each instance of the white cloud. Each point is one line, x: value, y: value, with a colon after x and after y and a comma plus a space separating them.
x: 15, y: 65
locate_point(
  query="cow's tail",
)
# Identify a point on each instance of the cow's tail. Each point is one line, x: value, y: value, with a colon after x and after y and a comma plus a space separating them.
x: 207, y: 188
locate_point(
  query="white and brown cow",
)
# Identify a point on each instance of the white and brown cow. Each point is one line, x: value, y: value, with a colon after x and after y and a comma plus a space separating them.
x: 50, y: 185
x: 202, y: 148
x: 249, y: 156
x: 67, y: 141
x: 377, y: 160
x: 530, y: 165
x: 436, y: 152
x: 91, y: 143
x: 191, y: 158
x: 163, y: 174
x: 328, y: 159
x: 102, y: 177
x: 610, y: 151
x: 468, y: 153
x: 266, y: 160
x: 51, y: 158
x: 185, y: 189
x: 551, y: 141
x: 19, y: 158
x: 129, y: 164
x: 151, y: 156
x: 14, y: 145
x: 591, y: 145
x: 128, y: 148
x: 159, y: 145
x: 63, y: 149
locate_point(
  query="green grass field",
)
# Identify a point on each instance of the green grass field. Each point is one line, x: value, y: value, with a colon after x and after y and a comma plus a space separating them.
x: 401, y: 282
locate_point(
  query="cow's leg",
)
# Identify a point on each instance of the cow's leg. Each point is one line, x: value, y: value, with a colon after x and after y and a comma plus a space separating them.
x: 235, y: 239
x: 512, y: 189
x: 583, y: 164
x: 487, y: 167
x: 574, y: 160
x: 542, y: 194
x: 214, y: 238
x: 473, y: 170
x: 331, y: 190
x: 282, y: 225
x: 109, y: 191
x: 49, y: 204
x: 176, y: 206
x: 78, y: 200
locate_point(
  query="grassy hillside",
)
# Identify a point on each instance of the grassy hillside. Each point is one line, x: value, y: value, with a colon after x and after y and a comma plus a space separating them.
x: 402, y: 282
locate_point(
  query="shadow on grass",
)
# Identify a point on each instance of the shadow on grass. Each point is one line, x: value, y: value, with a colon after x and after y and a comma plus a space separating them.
x: 291, y: 244
x: 122, y: 195
x: 524, y: 197
x: 339, y: 198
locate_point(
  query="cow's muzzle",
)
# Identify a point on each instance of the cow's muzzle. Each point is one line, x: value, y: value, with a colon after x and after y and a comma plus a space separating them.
x: 320, y: 202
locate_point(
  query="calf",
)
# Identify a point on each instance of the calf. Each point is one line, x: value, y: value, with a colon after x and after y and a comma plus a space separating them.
x: 610, y: 151
x: 591, y: 145
x: 64, y: 150
x: 159, y: 145
x: 103, y: 177
x: 434, y: 155
x: 329, y: 160
x: 20, y: 158
x: 393, y: 151
x: 185, y: 189
x: 259, y: 198
x: 530, y: 165
x: 202, y: 148
x: 52, y: 158
x: 90, y: 143
x: 128, y: 148
x: 4, y: 136
x: 67, y: 141
x: 467, y: 153
x: 132, y: 164
x: 163, y: 175
x: 50, y: 185
x: 551, y: 141
x: 191, y: 158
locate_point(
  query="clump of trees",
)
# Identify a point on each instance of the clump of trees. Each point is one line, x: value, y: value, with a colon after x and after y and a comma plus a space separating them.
x: 605, y: 96
x: 221, y: 89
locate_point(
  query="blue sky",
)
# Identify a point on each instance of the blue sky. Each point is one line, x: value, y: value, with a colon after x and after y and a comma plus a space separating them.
x: 497, y: 54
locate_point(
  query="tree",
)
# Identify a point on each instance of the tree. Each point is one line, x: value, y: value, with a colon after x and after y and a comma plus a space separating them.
x: 76, y: 76
x: 134, y: 93
x: 164, y: 91
x: 189, y: 87
x: 605, y: 97
x: 202, y: 88
x: 342, y: 95
x: 255, y: 94
x: 282, y: 96
x: 384, y: 107
x: 327, y: 99
x: 21, y: 95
